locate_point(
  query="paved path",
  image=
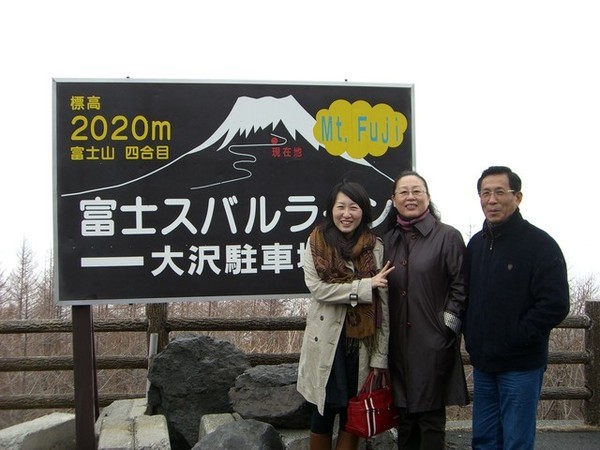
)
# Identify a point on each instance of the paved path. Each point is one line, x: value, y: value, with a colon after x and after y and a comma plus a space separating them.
x: 545, y: 440
x: 551, y: 435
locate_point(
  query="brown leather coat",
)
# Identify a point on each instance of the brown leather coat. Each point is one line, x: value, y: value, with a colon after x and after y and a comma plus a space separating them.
x: 424, y: 354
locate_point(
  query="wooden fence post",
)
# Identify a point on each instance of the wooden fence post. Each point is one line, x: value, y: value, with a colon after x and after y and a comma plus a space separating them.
x: 156, y: 314
x: 592, y: 370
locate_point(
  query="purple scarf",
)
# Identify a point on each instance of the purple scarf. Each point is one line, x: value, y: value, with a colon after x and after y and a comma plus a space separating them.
x: 407, y: 225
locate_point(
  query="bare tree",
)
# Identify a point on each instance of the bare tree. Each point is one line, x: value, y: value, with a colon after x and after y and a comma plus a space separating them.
x: 3, y: 289
x: 23, y: 282
x: 46, y: 307
x: 19, y: 299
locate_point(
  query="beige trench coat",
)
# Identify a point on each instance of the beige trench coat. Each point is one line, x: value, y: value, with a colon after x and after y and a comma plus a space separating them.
x: 324, y: 321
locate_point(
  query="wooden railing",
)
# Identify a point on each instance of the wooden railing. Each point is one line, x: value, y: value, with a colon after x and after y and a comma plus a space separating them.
x: 589, y: 357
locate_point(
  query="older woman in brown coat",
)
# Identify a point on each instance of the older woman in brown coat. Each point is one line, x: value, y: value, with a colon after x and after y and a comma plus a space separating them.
x: 426, y: 303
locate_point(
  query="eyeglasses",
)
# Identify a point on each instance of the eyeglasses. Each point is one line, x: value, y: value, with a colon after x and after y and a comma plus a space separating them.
x: 498, y: 193
x: 415, y: 192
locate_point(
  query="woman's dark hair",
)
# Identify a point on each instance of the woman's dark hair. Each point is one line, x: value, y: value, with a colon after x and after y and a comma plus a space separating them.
x: 357, y: 194
x: 514, y: 181
x: 391, y: 218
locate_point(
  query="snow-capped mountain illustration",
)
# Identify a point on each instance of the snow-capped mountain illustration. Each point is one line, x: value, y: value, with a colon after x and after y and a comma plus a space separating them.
x: 249, y: 115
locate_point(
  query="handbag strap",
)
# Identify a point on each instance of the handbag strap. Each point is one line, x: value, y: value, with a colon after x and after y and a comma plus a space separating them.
x: 367, y: 386
x: 384, y: 377
x: 373, y: 382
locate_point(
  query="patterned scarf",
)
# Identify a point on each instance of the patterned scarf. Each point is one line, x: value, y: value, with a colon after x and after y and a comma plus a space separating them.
x: 362, y: 320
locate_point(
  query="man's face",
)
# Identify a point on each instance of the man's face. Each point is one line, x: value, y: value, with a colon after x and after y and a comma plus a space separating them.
x: 498, y: 201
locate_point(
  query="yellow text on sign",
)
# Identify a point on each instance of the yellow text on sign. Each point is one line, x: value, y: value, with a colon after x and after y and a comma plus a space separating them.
x: 359, y: 128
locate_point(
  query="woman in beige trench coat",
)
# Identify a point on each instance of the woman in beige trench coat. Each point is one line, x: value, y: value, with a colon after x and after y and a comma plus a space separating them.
x: 344, y: 271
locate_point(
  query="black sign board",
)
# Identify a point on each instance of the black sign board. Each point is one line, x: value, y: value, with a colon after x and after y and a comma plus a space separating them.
x: 189, y: 190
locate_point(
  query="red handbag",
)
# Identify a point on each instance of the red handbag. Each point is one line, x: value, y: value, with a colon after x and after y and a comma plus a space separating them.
x: 372, y: 411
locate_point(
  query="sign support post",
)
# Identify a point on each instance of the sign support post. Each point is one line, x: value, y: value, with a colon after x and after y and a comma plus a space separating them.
x: 84, y: 371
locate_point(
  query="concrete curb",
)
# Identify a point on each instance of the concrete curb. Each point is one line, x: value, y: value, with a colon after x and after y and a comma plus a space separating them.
x: 55, y: 431
x: 123, y: 425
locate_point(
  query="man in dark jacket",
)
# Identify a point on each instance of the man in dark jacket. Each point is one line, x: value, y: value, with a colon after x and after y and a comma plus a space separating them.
x: 518, y: 291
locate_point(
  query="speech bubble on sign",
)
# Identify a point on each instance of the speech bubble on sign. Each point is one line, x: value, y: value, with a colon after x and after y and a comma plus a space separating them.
x: 359, y: 128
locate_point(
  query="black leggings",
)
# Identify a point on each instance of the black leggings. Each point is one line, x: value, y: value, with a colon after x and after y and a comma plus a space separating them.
x: 323, y: 424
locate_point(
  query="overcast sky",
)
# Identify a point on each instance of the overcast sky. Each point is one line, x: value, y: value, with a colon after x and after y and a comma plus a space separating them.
x: 512, y: 83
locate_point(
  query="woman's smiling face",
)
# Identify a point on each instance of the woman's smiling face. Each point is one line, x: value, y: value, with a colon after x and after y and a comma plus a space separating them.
x: 346, y: 214
x: 410, y: 198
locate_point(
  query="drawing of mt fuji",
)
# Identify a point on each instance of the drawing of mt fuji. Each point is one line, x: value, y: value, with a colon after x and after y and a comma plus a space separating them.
x: 248, y: 116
